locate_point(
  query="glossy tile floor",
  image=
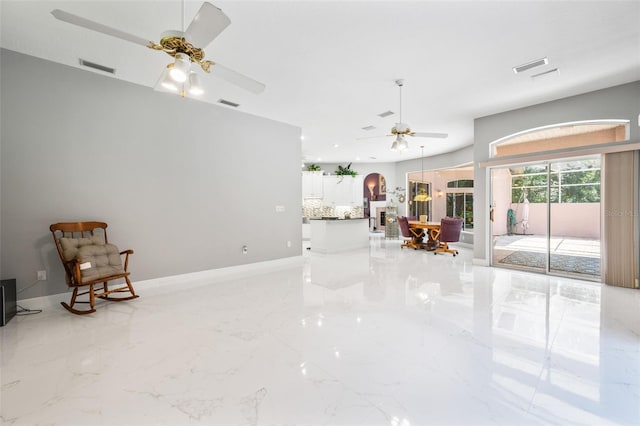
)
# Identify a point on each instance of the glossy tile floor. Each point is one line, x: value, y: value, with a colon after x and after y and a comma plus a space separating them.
x: 385, y: 336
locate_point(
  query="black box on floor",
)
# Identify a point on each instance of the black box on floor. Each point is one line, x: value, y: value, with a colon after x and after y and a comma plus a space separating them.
x: 8, y: 304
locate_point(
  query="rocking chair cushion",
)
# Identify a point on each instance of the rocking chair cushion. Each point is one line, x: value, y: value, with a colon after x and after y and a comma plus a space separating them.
x: 70, y: 246
x: 103, y: 261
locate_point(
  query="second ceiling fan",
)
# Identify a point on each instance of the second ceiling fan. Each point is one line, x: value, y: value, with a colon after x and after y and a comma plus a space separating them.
x: 400, y: 130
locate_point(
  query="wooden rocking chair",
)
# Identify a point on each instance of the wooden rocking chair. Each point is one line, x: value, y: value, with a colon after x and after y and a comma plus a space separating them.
x: 90, y: 260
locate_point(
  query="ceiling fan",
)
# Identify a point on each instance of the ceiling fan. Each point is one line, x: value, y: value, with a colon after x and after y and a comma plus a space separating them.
x: 208, y: 23
x: 400, y: 130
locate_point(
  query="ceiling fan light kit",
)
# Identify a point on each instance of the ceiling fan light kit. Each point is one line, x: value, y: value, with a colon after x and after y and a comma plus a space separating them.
x: 166, y: 81
x: 208, y: 23
x: 195, y: 88
x: 180, y: 68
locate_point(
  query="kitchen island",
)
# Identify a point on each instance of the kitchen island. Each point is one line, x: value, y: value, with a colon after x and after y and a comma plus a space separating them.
x: 331, y: 235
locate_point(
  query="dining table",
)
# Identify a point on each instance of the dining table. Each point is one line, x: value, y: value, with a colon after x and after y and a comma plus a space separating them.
x: 431, y: 229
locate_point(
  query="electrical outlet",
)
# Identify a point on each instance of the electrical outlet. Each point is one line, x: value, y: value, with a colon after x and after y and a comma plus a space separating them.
x: 42, y: 275
x: 288, y: 243
x: 245, y: 249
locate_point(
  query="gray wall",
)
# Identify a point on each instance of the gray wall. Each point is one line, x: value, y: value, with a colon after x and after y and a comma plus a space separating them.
x: 183, y: 183
x: 619, y: 102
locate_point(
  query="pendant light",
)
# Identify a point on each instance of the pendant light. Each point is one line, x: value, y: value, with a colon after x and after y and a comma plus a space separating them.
x: 422, y: 196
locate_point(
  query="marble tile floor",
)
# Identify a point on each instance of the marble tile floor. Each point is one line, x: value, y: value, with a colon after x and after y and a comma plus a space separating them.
x: 380, y: 336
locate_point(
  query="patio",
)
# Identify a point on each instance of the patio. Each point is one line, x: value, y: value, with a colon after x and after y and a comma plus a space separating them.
x: 570, y: 255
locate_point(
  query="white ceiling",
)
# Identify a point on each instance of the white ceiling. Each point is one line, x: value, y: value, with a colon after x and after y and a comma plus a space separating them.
x: 330, y: 66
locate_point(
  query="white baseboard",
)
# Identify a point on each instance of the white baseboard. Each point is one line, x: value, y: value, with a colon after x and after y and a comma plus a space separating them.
x: 188, y: 279
x: 228, y: 272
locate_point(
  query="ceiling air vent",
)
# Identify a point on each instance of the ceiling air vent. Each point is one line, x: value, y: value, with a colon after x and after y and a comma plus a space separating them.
x: 97, y: 66
x: 228, y: 103
x: 368, y: 128
x: 529, y: 65
x: 385, y: 114
x: 554, y: 71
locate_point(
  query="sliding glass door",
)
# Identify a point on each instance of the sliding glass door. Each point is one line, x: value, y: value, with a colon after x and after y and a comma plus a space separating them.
x: 574, y: 212
x: 519, y: 225
x: 546, y: 217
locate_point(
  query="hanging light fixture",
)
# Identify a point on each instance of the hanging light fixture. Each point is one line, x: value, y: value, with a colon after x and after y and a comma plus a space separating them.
x: 181, y: 67
x: 402, y: 143
x: 166, y: 81
x: 422, y: 196
x: 194, y: 84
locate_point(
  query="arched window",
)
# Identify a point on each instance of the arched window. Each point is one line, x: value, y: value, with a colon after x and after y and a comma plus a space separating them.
x: 561, y: 136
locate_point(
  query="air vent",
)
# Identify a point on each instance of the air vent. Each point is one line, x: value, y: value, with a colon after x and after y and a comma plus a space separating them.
x: 97, y: 66
x: 546, y: 73
x: 529, y: 65
x: 386, y: 114
x: 228, y: 103
x: 368, y: 128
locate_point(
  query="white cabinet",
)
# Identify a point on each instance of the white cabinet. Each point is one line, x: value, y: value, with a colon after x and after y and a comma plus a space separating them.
x: 312, y: 184
x: 343, y: 190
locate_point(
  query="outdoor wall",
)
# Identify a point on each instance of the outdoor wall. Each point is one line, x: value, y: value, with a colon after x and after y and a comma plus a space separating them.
x: 501, y: 202
x: 169, y: 175
x: 581, y: 220
x: 619, y: 102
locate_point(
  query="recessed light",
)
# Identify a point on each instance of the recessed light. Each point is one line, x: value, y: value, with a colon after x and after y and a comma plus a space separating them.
x: 529, y: 65
x: 335, y: 145
x: 301, y: 137
x: 357, y: 158
x: 319, y: 158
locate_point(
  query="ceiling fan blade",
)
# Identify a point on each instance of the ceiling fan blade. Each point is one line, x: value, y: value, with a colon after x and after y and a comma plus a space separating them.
x: 95, y: 26
x: 206, y: 25
x: 236, y: 78
x: 430, y: 135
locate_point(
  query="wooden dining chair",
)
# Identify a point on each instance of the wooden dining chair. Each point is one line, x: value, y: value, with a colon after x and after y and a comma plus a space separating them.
x: 90, y: 262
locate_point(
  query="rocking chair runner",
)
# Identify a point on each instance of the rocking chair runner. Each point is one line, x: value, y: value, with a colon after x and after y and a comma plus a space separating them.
x: 90, y: 260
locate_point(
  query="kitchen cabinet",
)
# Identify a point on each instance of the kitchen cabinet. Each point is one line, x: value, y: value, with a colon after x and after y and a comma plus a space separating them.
x: 312, y: 184
x: 343, y: 190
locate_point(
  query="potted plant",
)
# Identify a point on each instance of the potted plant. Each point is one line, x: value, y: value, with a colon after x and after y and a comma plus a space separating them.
x: 345, y: 171
x: 313, y: 168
